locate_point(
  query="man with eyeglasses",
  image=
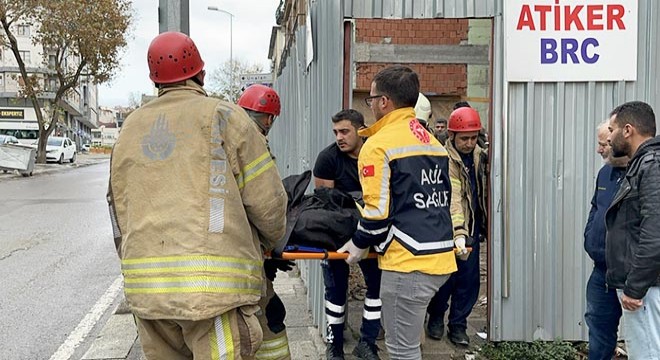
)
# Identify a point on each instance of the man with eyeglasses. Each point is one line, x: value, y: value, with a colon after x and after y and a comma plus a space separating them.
x: 404, y: 174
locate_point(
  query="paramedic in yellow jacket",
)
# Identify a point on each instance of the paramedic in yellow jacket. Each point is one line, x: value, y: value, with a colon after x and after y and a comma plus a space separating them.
x: 195, y: 199
x: 405, y: 182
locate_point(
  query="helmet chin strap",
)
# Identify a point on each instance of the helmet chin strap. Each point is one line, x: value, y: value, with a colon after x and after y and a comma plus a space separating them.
x: 261, y: 126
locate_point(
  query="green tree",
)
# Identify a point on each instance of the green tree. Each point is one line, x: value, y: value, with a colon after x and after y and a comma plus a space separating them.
x: 224, y: 82
x: 81, y: 39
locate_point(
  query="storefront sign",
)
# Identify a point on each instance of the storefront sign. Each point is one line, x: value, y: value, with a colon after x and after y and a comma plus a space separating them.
x: 570, y: 40
x: 12, y: 114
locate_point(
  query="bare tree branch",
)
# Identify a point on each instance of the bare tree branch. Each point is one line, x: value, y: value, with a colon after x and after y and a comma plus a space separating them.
x: 85, y: 37
x: 224, y: 82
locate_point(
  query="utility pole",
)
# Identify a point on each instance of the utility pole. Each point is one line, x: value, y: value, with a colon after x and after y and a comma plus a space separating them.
x: 173, y: 15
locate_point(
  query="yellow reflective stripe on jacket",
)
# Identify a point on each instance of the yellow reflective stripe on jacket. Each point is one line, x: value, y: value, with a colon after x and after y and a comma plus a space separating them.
x: 381, y: 208
x: 415, y: 150
x: 193, y: 263
x: 457, y: 220
x: 274, y: 349
x: 222, y: 342
x: 254, y: 169
x: 190, y: 284
x: 455, y: 181
x: 457, y: 217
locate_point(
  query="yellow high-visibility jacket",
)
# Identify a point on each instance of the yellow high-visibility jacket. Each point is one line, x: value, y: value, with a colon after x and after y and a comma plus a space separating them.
x: 195, y: 199
x: 405, y: 183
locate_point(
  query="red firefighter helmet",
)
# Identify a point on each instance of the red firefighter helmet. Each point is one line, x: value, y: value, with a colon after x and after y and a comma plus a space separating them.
x: 464, y: 119
x: 173, y: 57
x: 260, y: 98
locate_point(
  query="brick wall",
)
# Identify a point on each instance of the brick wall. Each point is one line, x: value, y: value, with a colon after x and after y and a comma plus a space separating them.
x: 412, y: 31
x: 438, y: 78
x: 446, y: 79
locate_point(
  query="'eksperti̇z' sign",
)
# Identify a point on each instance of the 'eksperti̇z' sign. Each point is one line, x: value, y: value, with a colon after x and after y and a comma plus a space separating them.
x: 570, y: 40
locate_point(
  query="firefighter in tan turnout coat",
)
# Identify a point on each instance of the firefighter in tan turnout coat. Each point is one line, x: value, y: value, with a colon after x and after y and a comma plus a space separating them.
x: 195, y: 199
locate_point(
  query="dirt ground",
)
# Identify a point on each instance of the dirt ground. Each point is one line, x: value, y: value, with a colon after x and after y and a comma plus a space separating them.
x: 477, y: 320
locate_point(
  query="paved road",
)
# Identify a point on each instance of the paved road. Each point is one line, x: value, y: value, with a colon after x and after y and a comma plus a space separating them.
x: 60, y: 274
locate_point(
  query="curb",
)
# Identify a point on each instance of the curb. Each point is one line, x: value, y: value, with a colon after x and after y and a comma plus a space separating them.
x: 50, y: 168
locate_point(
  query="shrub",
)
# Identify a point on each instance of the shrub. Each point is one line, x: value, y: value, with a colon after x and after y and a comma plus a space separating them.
x: 537, y: 350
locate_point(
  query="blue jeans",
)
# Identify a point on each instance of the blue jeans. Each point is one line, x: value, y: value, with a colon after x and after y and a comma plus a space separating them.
x: 463, y: 289
x: 642, y: 327
x: 335, y: 277
x: 602, y: 316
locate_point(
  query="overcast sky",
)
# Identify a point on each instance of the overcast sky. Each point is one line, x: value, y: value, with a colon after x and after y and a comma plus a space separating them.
x: 252, y: 24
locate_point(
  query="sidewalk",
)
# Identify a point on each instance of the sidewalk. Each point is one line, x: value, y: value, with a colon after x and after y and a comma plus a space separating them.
x: 82, y: 159
x: 118, y: 337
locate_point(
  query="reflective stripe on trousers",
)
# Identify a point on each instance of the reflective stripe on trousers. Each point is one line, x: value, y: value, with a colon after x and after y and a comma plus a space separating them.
x: 276, y: 348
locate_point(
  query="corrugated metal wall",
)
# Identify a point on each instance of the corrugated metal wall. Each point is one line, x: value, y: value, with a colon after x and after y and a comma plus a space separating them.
x: 418, y: 9
x: 309, y: 98
x: 544, y: 168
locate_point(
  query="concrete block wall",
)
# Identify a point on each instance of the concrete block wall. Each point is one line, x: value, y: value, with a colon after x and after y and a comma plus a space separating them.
x: 478, y: 76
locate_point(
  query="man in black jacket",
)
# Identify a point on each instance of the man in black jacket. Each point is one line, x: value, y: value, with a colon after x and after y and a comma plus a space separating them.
x: 633, y: 228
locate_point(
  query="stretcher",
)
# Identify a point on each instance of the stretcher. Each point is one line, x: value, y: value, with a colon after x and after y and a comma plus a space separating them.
x: 310, y: 253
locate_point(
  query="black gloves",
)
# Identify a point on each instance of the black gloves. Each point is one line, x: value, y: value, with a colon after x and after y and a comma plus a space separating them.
x: 272, y: 265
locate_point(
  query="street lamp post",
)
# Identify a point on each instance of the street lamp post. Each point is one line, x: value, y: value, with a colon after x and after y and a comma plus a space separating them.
x: 231, y: 36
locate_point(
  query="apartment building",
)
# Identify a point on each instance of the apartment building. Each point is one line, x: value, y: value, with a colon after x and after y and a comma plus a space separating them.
x: 17, y: 115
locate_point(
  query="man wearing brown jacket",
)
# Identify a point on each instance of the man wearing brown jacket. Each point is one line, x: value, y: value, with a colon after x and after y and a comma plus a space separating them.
x: 194, y: 199
x: 467, y: 173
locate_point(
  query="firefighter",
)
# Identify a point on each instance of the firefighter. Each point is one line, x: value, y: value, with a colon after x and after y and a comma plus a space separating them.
x: 262, y: 104
x: 195, y: 199
x: 467, y: 171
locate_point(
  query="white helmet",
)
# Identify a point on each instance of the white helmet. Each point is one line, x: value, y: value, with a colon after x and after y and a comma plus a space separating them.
x: 423, y: 108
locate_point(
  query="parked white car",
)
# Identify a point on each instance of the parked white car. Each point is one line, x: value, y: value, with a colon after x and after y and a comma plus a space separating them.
x: 60, y: 149
x: 8, y: 139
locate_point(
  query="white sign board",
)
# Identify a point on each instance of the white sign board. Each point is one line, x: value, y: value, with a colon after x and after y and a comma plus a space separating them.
x: 577, y: 40
x: 251, y: 79
x: 256, y: 78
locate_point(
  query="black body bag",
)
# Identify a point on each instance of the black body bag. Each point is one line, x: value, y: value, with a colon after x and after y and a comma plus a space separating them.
x: 325, y: 219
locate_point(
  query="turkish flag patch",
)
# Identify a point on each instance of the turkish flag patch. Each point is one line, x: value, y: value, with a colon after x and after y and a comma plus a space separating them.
x: 368, y: 170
